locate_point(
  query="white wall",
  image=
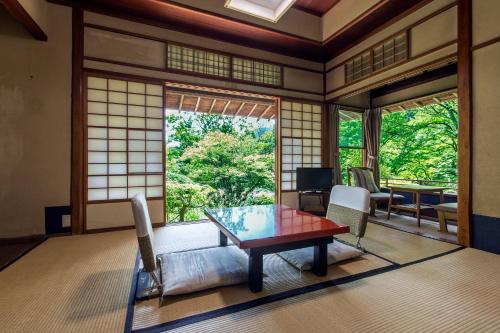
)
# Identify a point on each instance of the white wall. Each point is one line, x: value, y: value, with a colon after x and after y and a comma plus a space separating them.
x: 423, y: 49
x: 486, y: 109
x: 35, y: 109
x: 38, y: 10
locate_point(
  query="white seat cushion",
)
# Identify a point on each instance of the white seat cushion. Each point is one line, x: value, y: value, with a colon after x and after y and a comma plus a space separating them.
x: 303, y: 259
x: 190, y: 271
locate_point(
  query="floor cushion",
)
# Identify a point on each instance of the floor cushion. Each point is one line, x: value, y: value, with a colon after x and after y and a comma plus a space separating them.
x: 190, y: 271
x: 303, y: 259
x: 383, y: 196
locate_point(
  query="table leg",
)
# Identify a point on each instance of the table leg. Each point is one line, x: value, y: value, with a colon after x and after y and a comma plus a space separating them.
x: 255, y: 271
x: 389, y: 205
x: 222, y: 239
x: 441, y: 197
x: 442, y: 222
x: 320, y: 259
x: 417, y: 205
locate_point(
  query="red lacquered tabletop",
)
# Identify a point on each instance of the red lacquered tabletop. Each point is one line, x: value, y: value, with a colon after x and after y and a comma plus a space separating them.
x: 257, y: 226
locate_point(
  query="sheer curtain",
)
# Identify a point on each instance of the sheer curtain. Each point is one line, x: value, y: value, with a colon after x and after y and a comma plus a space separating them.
x: 372, y: 127
x: 333, y: 121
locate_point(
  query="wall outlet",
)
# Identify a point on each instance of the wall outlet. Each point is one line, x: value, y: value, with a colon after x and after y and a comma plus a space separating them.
x: 66, y: 221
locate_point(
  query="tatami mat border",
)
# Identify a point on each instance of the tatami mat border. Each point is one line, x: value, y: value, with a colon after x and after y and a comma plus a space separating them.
x: 263, y: 300
x: 23, y: 253
x: 129, y: 318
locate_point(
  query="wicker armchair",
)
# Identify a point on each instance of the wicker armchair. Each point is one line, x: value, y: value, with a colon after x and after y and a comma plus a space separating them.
x: 364, y: 178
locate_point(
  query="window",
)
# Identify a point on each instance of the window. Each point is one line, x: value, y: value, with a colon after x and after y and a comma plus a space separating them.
x: 199, y: 61
x: 125, y: 139
x: 300, y: 140
x: 351, y: 143
x: 385, y: 54
x: 190, y: 59
x: 358, y: 67
x: 256, y: 71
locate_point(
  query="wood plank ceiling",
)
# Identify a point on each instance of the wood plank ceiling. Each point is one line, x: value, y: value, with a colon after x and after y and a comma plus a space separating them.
x: 180, y: 17
x: 189, y: 98
x: 421, y: 101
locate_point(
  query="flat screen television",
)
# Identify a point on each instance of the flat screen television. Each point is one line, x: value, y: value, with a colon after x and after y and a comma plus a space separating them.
x: 314, y: 179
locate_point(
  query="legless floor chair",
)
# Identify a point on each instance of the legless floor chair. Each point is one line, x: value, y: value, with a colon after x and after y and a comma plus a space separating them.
x: 187, y: 271
x: 350, y: 206
x: 151, y: 263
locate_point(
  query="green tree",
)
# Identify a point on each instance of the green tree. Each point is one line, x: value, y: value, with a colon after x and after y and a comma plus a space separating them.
x: 350, y: 137
x: 421, y: 143
x: 232, y: 165
x: 213, y: 161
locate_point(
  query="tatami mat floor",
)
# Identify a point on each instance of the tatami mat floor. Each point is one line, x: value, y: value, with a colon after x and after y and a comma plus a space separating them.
x: 70, y: 284
x: 454, y: 293
x: 428, y: 228
x: 82, y: 284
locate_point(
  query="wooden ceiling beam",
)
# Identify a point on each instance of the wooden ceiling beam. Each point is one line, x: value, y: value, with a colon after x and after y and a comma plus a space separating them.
x: 180, y: 103
x: 197, y: 105
x: 253, y: 109
x: 240, y: 108
x: 265, y: 111
x: 212, y: 106
x: 226, y: 106
x: 17, y: 11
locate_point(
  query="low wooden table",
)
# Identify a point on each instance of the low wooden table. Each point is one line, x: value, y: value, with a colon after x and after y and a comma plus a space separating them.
x: 260, y: 230
x: 417, y: 191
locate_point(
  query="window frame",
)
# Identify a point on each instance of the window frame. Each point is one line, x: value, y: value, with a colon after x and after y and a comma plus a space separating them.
x: 363, y: 140
x: 231, y: 57
x: 348, y: 79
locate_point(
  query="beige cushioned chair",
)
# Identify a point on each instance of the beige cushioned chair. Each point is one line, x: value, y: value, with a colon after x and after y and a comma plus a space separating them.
x: 187, y: 271
x: 350, y: 206
x: 145, y: 236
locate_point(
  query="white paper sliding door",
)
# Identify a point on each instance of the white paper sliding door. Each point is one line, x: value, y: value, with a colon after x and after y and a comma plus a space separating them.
x: 125, y: 146
x: 300, y: 140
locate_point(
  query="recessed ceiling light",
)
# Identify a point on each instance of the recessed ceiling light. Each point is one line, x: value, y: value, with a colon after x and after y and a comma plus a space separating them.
x: 270, y: 10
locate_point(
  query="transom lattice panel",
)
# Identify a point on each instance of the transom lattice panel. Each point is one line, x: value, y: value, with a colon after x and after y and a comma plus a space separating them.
x: 199, y: 61
x: 256, y: 71
x: 124, y: 139
x: 300, y: 140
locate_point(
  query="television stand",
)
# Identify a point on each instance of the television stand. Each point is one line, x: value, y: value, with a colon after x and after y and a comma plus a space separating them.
x: 314, y: 202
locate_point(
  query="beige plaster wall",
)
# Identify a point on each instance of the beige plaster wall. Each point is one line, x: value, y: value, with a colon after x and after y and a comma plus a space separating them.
x: 342, y: 14
x: 423, y: 50
x: 401, y: 24
x: 290, y: 199
x: 119, y: 214
x: 35, y: 105
x: 123, y: 48
x: 38, y: 10
x: 180, y: 37
x: 486, y: 109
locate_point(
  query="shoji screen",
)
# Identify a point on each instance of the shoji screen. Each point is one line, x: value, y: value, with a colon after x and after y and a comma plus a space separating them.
x: 124, y: 139
x: 300, y: 140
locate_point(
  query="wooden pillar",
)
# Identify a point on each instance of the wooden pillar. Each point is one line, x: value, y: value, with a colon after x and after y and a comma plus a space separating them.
x: 77, y: 121
x: 465, y: 121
